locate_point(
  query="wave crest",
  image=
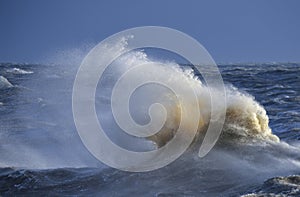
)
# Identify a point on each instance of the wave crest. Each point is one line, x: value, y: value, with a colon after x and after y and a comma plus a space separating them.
x: 246, y: 120
x: 4, y: 83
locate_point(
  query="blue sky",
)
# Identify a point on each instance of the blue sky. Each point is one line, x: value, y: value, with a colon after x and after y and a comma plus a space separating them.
x: 231, y: 30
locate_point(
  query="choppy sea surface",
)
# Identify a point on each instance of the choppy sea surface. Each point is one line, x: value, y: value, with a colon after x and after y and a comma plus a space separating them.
x: 42, y: 154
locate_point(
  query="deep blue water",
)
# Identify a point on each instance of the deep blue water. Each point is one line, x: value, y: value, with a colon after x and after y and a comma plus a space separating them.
x: 37, y: 131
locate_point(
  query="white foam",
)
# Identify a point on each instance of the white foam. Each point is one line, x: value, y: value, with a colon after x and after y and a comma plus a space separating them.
x: 19, y: 71
x: 245, y: 118
x: 4, y: 83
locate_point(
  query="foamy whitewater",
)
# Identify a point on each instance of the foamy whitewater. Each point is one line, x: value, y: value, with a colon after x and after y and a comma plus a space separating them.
x: 258, y: 152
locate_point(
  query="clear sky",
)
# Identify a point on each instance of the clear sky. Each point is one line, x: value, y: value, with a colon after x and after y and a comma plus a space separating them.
x: 231, y: 30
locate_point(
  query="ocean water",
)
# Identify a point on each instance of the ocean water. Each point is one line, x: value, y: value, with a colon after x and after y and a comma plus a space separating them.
x: 258, y: 153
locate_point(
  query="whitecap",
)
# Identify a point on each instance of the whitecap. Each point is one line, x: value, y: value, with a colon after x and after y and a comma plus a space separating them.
x: 19, y: 71
x: 4, y: 83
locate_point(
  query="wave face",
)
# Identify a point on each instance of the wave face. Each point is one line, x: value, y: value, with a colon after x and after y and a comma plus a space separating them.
x: 41, y: 151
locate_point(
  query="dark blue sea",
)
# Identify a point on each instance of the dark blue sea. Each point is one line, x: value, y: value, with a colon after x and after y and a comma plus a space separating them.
x: 41, y: 153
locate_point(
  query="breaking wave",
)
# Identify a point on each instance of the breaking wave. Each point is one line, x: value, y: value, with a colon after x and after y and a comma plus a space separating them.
x: 37, y: 132
x: 4, y: 83
x: 246, y: 119
x: 19, y: 71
